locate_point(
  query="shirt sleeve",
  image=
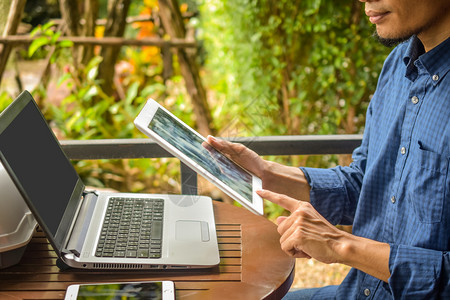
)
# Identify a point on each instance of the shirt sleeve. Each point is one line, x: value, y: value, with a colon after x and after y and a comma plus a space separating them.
x: 332, y: 195
x: 335, y: 192
x: 418, y: 273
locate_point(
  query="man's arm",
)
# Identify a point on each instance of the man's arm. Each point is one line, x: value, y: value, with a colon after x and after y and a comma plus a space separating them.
x: 305, y: 233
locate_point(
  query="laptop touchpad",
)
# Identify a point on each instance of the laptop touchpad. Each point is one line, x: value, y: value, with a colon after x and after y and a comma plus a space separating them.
x: 192, y: 231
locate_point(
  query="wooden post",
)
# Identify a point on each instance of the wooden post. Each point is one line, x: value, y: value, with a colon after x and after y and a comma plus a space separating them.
x: 104, y: 41
x: 12, y: 23
x: 173, y: 24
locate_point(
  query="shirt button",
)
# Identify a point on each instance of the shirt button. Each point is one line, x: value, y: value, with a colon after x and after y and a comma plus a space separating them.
x: 393, y: 199
x: 367, y: 292
x: 414, y: 99
x: 435, y: 77
x: 403, y: 150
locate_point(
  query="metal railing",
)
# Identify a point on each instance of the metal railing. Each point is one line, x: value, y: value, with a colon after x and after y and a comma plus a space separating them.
x: 265, y: 145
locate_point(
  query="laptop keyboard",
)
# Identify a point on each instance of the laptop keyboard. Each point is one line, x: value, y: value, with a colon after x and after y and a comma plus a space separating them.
x: 132, y: 228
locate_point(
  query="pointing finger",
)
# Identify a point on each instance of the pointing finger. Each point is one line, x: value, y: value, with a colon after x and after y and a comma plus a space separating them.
x: 284, y: 201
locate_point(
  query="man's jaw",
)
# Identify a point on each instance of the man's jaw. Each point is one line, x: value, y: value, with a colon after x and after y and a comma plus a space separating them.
x: 391, y: 42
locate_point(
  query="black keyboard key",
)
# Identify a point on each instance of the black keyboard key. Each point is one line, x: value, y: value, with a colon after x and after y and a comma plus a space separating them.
x: 157, y: 230
x: 144, y: 245
x: 142, y: 253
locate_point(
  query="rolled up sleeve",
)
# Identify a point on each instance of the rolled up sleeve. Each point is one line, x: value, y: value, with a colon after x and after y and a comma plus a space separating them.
x: 334, y: 192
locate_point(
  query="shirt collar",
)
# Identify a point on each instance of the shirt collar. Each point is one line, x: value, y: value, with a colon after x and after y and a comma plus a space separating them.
x: 435, y: 62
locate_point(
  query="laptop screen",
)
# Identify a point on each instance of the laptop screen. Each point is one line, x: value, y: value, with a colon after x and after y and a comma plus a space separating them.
x: 37, y: 161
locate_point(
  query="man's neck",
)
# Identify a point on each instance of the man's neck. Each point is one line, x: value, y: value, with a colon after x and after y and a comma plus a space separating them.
x: 436, y: 34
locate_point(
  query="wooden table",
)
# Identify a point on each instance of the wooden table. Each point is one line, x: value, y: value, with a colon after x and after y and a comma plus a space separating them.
x: 252, y: 266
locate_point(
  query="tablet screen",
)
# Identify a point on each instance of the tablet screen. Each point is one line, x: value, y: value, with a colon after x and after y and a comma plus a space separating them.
x: 202, y: 153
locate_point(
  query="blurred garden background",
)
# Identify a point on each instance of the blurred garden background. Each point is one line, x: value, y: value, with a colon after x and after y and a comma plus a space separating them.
x: 232, y: 68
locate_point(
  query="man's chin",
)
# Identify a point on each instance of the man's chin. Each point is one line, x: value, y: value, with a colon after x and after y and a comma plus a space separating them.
x: 390, y: 42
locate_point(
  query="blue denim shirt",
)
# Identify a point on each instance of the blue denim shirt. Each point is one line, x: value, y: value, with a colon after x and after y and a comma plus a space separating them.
x: 397, y: 190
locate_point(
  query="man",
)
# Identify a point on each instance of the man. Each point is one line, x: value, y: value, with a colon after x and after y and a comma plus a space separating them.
x: 396, y: 192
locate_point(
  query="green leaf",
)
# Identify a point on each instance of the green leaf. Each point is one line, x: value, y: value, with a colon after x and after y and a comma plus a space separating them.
x: 95, y: 61
x: 92, y: 73
x: 47, y: 26
x: 50, y: 33
x: 132, y: 93
x: 93, y: 91
x: 55, y: 36
x: 91, y: 70
x: 36, y: 44
x: 36, y: 30
x: 63, y: 78
x: 65, y: 44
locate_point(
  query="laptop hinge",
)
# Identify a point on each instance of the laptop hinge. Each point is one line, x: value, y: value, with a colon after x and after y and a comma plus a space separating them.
x: 81, y: 226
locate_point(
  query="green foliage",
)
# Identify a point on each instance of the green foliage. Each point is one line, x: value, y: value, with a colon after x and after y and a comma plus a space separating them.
x: 5, y: 100
x: 298, y: 67
x: 88, y: 113
x: 46, y: 36
x: 83, y: 113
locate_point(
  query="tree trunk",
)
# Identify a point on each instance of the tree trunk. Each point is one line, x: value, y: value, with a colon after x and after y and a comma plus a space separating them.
x: 71, y: 15
x: 172, y: 22
x: 72, y: 12
x: 10, y: 28
x: 5, y: 5
x: 115, y: 26
x: 91, y: 8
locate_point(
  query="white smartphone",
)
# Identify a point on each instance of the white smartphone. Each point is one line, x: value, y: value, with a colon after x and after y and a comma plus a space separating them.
x: 122, y: 290
x: 192, y: 149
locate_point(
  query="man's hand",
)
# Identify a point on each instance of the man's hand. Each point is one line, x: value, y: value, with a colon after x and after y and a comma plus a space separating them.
x: 275, y: 177
x: 240, y: 154
x: 305, y: 234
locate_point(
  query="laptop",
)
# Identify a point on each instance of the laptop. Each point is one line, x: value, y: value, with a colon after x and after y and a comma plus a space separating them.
x: 100, y: 230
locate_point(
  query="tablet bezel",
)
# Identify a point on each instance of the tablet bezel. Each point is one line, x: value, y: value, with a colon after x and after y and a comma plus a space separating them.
x: 142, y: 122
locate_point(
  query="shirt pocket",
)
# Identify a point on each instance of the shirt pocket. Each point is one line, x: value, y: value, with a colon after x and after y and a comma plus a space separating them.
x: 428, y: 184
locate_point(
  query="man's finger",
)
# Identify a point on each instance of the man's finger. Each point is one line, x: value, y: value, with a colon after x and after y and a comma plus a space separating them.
x: 284, y: 201
x: 281, y: 219
x: 290, y: 246
x: 234, y: 150
x: 216, y: 143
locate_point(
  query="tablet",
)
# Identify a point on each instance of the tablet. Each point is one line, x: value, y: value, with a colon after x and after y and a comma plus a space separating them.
x: 192, y: 149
